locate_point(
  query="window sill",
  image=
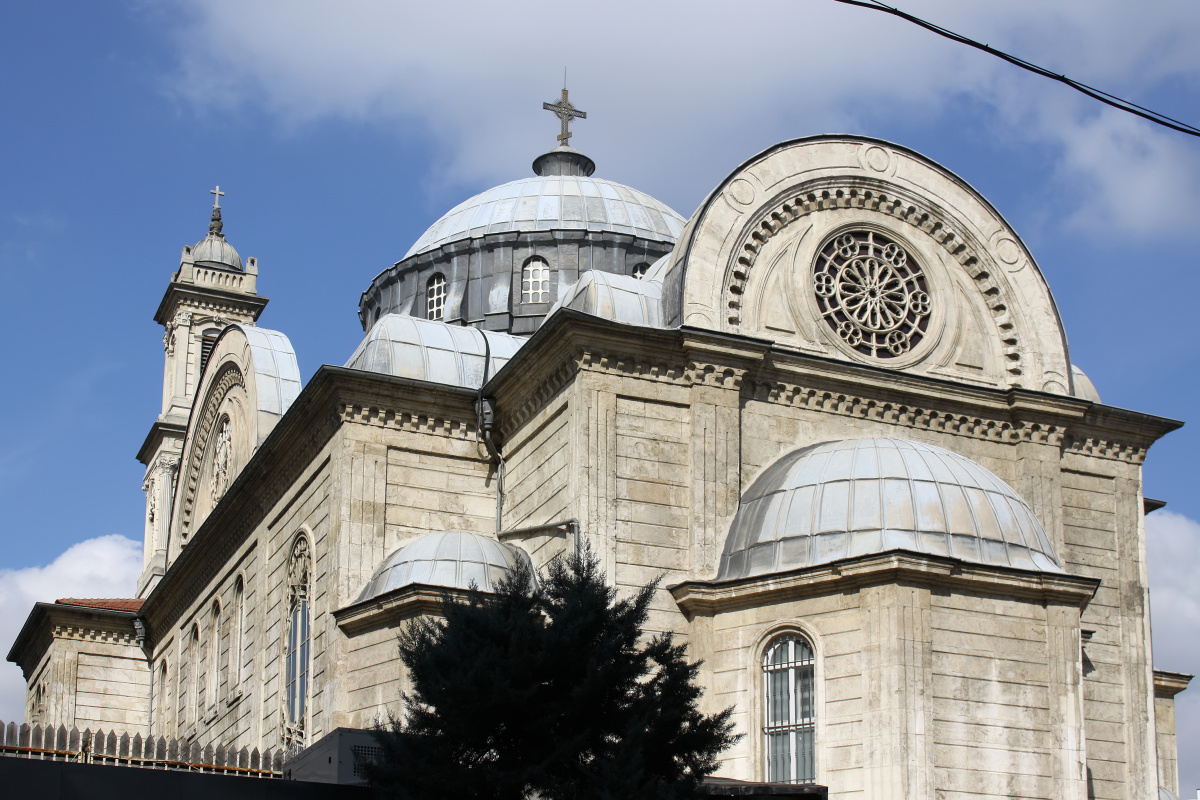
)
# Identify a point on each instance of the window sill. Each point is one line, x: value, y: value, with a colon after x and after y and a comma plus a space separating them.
x: 233, y: 698
x: 210, y: 715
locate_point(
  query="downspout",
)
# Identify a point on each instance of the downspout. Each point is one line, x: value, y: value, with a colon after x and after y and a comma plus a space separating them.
x: 485, y: 423
x: 139, y: 630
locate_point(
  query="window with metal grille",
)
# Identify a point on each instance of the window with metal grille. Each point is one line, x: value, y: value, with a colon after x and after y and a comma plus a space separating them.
x: 297, y: 655
x: 535, y: 281
x: 789, y: 710
x: 640, y: 270
x: 435, y: 296
x: 208, y: 340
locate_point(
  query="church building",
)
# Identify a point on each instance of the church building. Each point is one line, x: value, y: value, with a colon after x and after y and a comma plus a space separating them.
x: 834, y: 409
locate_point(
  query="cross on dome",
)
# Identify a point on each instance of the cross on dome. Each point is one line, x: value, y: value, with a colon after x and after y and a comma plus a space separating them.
x: 219, y: 194
x: 565, y: 112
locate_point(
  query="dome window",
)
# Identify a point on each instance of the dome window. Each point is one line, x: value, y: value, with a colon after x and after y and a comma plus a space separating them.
x: 789, y: 716
x: 640, y: 270
x: 535, y: 281
x: 435, y: 296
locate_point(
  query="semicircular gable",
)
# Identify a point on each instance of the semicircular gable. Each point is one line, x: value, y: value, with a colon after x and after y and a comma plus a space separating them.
x: 857, y: 249
x: 249, y: 382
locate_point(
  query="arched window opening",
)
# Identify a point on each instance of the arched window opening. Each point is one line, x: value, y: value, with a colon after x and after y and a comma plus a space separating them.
x: 378, y: 312
x: 435, y: 296
x: 160, y: 699
x: 237, y: 644
x: 214, y: 656
x: 535, y: 281
x: 296, y: 646
x: 208, y: 340
x: 789, y: 710
x: 193, y: 696
x: 640, y: 270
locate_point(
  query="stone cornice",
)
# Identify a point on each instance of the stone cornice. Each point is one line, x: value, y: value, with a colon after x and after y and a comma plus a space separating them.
x: 49, y: 621
x: 711, y: 597
x: 1167, y: 684
x: 158, y: 431
x: 333, y: 397
x: 572, y: 342
x: 210, y: 299
x: 395, y: 607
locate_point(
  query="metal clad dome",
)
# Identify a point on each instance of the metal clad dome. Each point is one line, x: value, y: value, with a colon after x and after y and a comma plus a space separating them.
x: 555, y: 202
x: 450, y: 559
x: 214, y: 251
x: 855, y: 497
x: 428, y: 350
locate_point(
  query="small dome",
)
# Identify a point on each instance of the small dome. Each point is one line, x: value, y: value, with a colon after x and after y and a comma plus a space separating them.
x: 450, y: 559
x: 213, y: 250
x: 554, y: 202
x: 1084, y: 388
x: 621, y: 298
x: 851, y: 498
x: 427, y: 350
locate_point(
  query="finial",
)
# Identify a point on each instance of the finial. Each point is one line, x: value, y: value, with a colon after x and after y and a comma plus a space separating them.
x: 565, y: 112
x: 215, y: 226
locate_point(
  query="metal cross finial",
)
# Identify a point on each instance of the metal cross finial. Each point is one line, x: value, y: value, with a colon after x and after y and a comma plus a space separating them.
x: 565, y: 112
x: 219, y: 194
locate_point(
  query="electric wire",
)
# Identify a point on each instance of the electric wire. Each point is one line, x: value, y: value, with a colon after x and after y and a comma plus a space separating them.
x: 1091, y: 91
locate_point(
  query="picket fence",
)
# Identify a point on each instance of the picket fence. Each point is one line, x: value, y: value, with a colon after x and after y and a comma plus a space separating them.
x: 100, y: 747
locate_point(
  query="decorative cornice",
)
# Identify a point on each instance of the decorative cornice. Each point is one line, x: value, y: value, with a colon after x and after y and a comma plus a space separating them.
x: 395, y: 607
x: 887, y: 199
x: 48, y: 621
x: 713, y: 597
x: 1169, y: 684
x: 459, y: 426
x: 216, y: 301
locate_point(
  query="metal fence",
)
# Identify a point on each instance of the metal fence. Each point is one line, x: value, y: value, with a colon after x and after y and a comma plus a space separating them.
x: 100, y: 747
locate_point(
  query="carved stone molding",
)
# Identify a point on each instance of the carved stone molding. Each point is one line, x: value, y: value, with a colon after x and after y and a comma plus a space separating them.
x: 415, y: 422
x: 229, y: 377
x: 894, y: 203
x: 1104, y: 448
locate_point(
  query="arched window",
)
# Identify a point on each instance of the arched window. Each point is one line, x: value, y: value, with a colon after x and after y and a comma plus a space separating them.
x: 640, y: 270
x: 296, y: 646
x: 237, y: 641
x: 214, y: 656
x: 535, y: 281
x: 435, y: 296
x: 789, y: 710
x: 193, y: 696
x: 161, y: 701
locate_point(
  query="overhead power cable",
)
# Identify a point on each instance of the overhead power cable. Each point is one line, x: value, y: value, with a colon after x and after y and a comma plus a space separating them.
x: 1090, y: 91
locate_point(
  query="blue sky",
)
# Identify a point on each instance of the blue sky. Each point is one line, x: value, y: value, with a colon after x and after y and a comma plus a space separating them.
x: 341, y: 131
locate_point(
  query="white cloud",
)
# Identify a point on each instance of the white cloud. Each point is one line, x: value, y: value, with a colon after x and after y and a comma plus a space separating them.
x: 679, y: 93
x: 1173, y: 554
x: 107, y: 566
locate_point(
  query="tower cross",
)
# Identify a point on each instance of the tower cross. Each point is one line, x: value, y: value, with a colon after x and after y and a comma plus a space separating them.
x: 219, y: 194
x: 565, y: 112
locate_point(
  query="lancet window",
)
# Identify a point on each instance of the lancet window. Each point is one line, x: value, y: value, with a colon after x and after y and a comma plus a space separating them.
x: 535, y: 281
x: 237, y: 643
x: 789, y: 710
x: 296, y: 647
x: 214, y: 656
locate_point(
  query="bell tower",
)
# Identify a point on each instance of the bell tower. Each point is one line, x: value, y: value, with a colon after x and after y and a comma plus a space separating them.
x: 211, y: 289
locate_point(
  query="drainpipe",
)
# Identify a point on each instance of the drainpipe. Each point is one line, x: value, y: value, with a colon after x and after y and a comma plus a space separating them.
x: 485, y: 423
x: 139, y: 630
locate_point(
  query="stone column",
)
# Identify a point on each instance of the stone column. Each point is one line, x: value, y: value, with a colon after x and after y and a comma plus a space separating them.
x: 1065, y: 681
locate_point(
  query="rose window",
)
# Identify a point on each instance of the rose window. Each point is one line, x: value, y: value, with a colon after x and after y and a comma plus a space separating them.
x: 872, y: 293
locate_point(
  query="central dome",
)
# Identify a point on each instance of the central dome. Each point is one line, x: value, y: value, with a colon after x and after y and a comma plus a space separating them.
x: 554, y: 202
x: 856, y: 497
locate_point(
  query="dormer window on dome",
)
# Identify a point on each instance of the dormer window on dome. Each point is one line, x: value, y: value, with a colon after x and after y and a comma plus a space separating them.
x: 435, y: 297
x: 535, y: 281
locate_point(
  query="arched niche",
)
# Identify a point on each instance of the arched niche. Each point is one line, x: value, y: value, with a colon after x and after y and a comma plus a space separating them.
x: 249, y: 382
x: 747, y: 263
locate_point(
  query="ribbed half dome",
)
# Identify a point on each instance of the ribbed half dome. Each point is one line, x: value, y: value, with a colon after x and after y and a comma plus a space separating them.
x: 450, y: 559
x: 555, y: 202
x: 856, y: 497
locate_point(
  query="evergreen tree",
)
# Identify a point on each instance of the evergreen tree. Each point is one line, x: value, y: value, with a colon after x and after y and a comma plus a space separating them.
x: 548, y: 691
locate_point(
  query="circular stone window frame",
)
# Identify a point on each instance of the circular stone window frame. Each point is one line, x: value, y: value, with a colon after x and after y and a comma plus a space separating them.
x: 938, y: 286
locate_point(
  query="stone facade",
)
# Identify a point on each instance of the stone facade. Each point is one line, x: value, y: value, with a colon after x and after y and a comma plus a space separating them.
x: 934, y: 675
